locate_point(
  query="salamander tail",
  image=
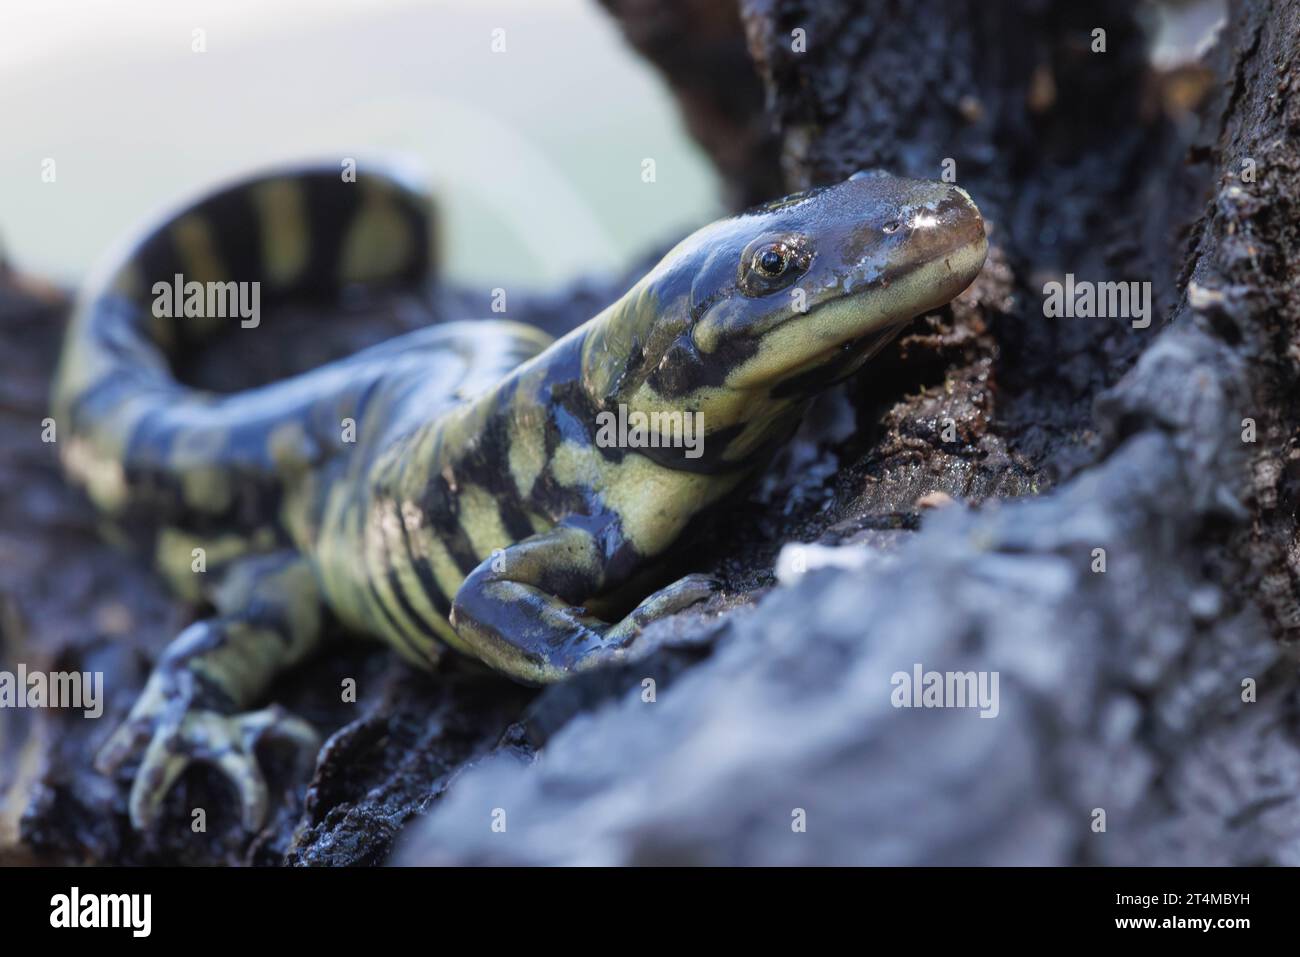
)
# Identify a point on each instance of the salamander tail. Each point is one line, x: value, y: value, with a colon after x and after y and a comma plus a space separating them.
x: 300, y: 234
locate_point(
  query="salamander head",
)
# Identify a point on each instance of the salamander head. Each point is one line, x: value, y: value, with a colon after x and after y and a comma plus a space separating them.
x: 786, y: 298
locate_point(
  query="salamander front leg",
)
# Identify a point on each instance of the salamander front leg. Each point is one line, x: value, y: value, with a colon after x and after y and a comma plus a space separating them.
x: 519, y: 610
x: 193, y: 708
x: 668, y: 600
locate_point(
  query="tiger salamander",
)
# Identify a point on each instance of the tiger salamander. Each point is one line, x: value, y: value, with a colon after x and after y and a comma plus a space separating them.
x: 445, y: 489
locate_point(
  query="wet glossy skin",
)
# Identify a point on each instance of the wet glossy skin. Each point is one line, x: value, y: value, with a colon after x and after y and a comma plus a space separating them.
x: 473, y: 507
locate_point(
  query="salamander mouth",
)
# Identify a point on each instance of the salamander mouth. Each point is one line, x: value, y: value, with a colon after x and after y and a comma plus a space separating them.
x: 836, y: 363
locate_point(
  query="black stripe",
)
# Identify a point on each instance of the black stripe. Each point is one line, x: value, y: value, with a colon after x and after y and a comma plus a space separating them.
x: 395, y: 583
x: 443, y: 510
x: 332, y: 206
x: 237, y: 233
x: 441, y: 602
x: 392, y: 622
x: 513, y: 519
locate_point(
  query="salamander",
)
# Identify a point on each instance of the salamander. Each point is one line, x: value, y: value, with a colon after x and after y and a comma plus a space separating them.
x: 448, y: 488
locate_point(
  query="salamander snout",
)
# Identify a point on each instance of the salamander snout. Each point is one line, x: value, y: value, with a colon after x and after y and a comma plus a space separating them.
x: 935, y: 228
x: 952, y: 219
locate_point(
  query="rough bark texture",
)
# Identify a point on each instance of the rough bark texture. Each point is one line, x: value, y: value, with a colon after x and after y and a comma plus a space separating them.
x: 1120, y: 691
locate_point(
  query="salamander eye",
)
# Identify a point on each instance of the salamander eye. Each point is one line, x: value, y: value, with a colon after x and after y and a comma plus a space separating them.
x: 771, y: 262
x: 768, y: 265
x: 891, y: 226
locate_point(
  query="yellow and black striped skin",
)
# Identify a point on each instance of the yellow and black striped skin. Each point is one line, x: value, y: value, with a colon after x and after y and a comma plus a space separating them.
x: 475, y: 507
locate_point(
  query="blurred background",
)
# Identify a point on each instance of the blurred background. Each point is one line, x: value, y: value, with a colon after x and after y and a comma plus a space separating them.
x: 534, y: 153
